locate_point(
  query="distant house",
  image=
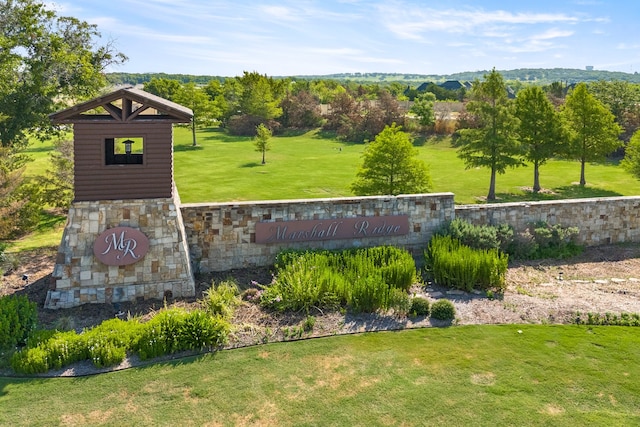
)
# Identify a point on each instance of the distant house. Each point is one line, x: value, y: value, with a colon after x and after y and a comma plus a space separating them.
x: 423, y: 87
x: 451, y: 85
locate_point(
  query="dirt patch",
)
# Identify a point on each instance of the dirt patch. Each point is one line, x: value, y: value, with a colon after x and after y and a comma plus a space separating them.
x: 602, y: 279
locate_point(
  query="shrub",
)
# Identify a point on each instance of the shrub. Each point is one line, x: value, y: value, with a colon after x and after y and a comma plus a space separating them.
x: 175, y: 330
x: 399, y: 302
x: 108, y: 343
x: 64, y: 348
x: 104, y: 352
x: 443, y: 309
x: 199, y: 331
x: 479, y: 236
x: 456, y: 265
x: 554, y: 241
x: 222, y: 299
x: 18, y: 318
x: 308, y: 323
x: 303, y: 281
x: 539, y: 240
x: 420, y: 307
x: 368, y: 294
x: 30, y: 361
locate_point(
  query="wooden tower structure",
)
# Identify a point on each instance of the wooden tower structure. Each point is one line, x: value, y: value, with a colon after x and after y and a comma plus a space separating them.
x: 125, y: 203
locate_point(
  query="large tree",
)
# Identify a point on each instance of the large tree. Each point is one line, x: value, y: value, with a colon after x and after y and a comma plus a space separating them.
x: 204, y: 110
x: 390, y: 166
x: 622, y: 99
x: 494, y: 143
x: 46, y: 62
x: 593, y: 130
x: 300, y: 110
x: 164, y: 88
x: 261, y: 96
x: 540, y: 129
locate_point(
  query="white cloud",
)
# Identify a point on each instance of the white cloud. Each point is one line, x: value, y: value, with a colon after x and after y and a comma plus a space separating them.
x: 281, y: 12
x: 409, y: 23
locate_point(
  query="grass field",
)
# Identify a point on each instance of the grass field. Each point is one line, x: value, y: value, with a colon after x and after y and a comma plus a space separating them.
x: 225, y: 168
x: 460, y: 376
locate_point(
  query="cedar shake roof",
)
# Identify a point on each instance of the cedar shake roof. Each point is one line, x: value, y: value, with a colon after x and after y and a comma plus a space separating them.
x: 126, y: 105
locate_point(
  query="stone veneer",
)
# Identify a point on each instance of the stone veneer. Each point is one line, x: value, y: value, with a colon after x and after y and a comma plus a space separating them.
x: 221, y: 236
x: 600, y: 220
x: 165, y: 270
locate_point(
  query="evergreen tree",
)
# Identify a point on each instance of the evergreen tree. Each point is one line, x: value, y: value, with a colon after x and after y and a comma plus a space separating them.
x: 593, y: 130
x: 494, y: 143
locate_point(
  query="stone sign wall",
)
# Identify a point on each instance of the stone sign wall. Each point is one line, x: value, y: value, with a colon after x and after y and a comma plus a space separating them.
x: 600, y: 220
x: 224, y: 236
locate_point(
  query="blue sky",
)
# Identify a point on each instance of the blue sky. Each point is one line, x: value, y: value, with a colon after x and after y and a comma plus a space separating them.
x: 303, y: 37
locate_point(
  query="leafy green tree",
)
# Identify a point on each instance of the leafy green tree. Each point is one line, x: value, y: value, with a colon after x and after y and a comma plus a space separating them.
x: 261, y: 96
x: 423, y: 108
x: 164, y: 88
x: 593, y: 130
x: 622, y: 98
x: 540, y: 129
x: 204, y: 111
x: 20, y: 200
x: 631, y: 161
x: 390, y: 166
x: 46, y: 63
x: 326, y: 90
x: 262, y: 140
x: 494, y: 143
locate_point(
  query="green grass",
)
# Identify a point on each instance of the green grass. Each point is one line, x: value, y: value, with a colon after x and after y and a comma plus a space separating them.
x: 225, y: 168
x: 459, y: 376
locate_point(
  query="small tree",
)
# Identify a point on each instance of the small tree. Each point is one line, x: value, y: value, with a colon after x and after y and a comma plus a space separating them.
x: 262, y: 139
x: 540, y: 129
x: 390, y: 166
x: 423, y: 108
x: 204, y: 110
x: 594, y: 132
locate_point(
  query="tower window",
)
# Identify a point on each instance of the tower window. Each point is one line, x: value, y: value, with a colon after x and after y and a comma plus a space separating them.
x: 124, y: 151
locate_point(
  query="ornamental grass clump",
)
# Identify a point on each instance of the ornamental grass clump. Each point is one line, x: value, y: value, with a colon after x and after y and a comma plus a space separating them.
x: 222, y: 299
x: 456, y: 265
x: 361, y: 279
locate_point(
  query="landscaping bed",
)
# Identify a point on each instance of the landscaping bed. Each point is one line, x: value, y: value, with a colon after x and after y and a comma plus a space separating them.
x: 602, y: 279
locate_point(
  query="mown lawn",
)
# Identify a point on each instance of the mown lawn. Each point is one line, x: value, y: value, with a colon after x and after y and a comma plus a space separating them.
x: 457, y: 376
x: 226, y: 168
